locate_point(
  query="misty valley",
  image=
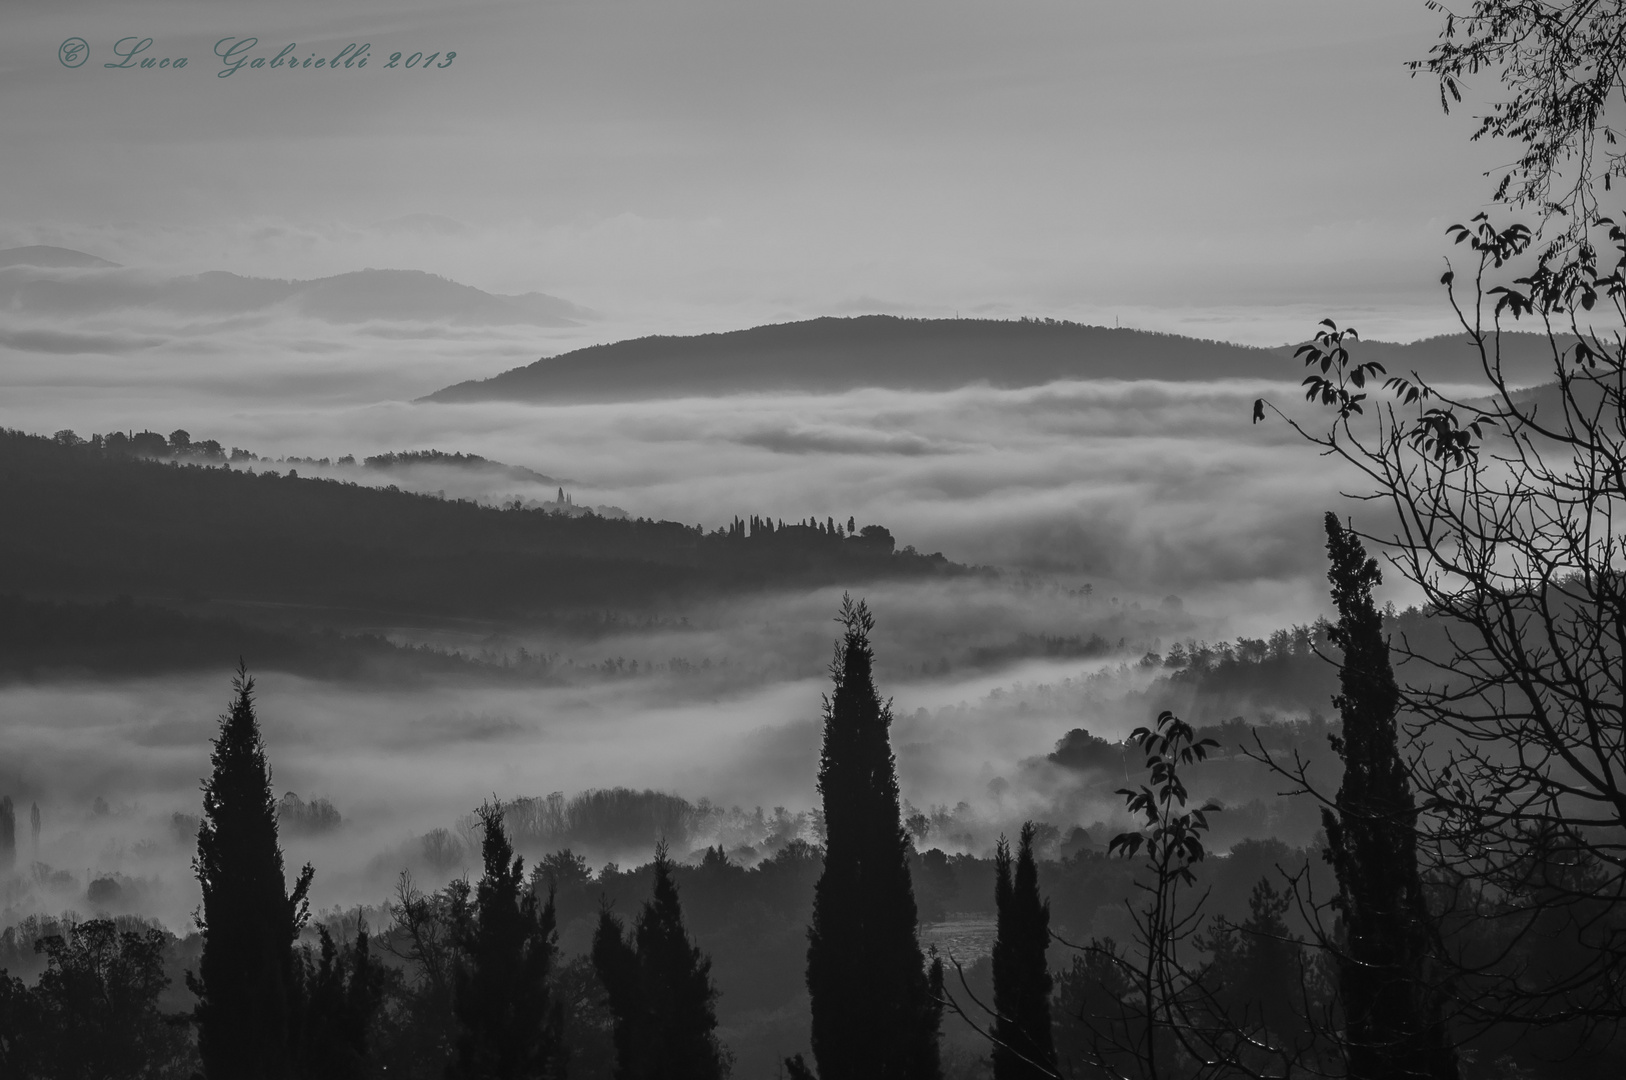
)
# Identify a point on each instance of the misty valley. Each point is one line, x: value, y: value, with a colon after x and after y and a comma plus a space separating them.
x: 541, y: 758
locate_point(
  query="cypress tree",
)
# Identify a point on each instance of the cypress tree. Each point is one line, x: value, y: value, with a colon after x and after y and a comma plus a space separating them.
x: 8, y: 834
x: 245, y: 982
x: 508, y: 1026
x: 1023, y: 1049
x: 876, y: 1008
x: 1394, y: 1025
x: 660, y: 991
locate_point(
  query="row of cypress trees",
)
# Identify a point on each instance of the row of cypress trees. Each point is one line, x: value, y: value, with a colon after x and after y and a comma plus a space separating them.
x: 876, y: 1003
x: 268, y: 1010
x: 264, y: 1012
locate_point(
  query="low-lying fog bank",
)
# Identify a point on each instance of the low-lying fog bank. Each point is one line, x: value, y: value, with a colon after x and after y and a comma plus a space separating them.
x: 384, y: 779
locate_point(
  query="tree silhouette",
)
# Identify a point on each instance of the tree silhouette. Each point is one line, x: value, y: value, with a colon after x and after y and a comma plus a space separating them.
x: 508, y: 1026
x: 1394, y: 1025
x: 660, y: 991
x: 245, y: 983
x: 97, y: 1005
x: 1023, y: 1047
x: 341, y: 991
x: 8, y: 834
x: 876, y: 1008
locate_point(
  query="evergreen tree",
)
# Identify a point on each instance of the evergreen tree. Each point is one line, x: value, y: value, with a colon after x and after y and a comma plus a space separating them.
x: 876, y: 1008
x: 508, y: 1026
x: 1023, y: 1047
x: 1393, y: 1019
x: 341, y: 990
x: 245, y: 983
x: 8, y: 835
x: 660, y: 991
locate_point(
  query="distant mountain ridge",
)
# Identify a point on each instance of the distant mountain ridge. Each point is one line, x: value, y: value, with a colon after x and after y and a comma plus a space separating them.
x: 44, y: 255
x: 357, y: 296
x: 834, y: 354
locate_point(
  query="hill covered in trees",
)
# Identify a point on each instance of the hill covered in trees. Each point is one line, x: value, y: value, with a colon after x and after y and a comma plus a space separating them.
x: 833, y: 354
x: 87, y: 524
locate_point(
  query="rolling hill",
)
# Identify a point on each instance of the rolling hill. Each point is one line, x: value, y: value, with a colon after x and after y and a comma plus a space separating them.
x: 31, y: 283
x: 835, y: 354
x: 84, y: 524
x: 830, y: 355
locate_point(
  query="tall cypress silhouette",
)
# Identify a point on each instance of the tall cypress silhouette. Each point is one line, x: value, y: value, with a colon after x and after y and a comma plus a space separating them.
x: 876, y: 1008
x: 1393, y: 1018
x: 245, y: 982
x: 1023, y: 1049
x: 660, y: 991
x: 8, y: 834
x: 509, y: 1028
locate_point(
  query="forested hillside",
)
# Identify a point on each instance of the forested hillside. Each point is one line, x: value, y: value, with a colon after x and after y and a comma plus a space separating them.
x: 83, y: 523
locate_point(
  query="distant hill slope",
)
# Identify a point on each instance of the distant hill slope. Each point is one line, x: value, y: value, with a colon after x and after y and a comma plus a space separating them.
x: 359, y: 296
x: 44, y: 640
x: 83, y: 524
x: 48, y: 257
x: 1526, y: 358
x: 834, y: 354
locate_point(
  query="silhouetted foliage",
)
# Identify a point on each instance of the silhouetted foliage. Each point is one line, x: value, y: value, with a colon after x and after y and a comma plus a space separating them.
x: 1023, y: 1049
x: 341, y: 990
x: 95, y: 1012
x: 1393, y: 1013
x: 509, y: 1028
x: 246, y: 982
x: 8, y: 835
x: 659, y: 989
x: 876, y: 1007
x: 1262, y: 983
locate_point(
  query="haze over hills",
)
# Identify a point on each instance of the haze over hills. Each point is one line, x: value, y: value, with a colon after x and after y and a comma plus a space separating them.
x: 835, y: 354
x: 45, y: 256
x: 358, y: 296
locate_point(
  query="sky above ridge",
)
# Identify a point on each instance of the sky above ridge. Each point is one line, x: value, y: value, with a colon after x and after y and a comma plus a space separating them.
x: 1226, y: 168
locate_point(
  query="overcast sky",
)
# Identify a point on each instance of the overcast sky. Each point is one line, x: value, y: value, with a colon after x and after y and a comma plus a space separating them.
x: 1234, y: 168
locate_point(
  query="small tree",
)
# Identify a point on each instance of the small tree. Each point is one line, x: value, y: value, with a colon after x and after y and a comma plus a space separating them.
x: 876, y: 1007
x: 245, y: 982
x: 660, y: 991
x: 1166, y: 993
x: 508, y: 1026
x: 1023, y: 1048
x: 341, y: 991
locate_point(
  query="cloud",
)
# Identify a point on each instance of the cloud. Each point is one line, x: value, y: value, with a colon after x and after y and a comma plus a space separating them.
x: 64, y: 343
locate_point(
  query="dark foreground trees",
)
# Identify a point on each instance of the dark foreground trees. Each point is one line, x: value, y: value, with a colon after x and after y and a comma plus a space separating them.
x: 508, y: 1025
x: 1394, y: 1023
x: 94, y: 1013
x: 660, y: 992
x: 246, y: 981
x: 876, y: 1007
x: 1023, y: 1049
